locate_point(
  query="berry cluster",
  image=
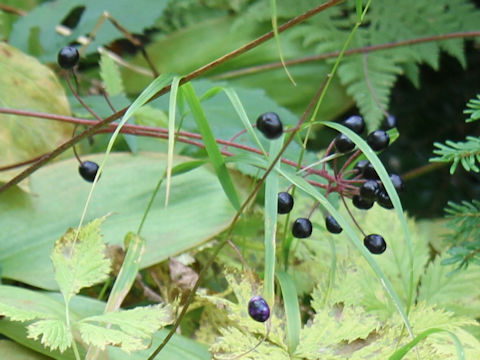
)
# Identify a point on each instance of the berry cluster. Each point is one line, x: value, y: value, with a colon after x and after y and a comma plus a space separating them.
x: 365, y: 188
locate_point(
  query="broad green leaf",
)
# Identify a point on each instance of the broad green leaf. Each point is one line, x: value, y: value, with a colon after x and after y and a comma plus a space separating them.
x: 179, y: 348
x: 53, y: 333
x: 79, y: 259
x: 110, y: 75
x: 12, y: 351
x: 211, y: 145
x: 38, y: 27
x: 26, y: 84
x: 31, y: 223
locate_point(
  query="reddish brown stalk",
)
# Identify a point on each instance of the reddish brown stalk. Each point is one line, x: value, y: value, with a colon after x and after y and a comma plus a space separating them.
x: 90, y: 131
x: 334, y: 54
x: 12, y: 10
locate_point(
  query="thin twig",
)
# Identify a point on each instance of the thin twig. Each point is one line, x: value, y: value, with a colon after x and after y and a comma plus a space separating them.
x: 13, y: 10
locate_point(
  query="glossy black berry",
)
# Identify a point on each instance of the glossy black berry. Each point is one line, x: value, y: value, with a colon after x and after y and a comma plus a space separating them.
x: 390, y: 122
x: 285, y: 202
x: 360, y: 166
x: 68, y: 57
x: 355, y: 123
x: 378, y: 140
x: 369, y: 172
x: 384, y: 200
x: 375, y: 243
x: 270, y: 125
x: 369, y: 190
x: 361, y: 203
x: 88, y: 170
x: 332, y: 225
x: 258, y: 309
x: 397, y: 182
x: 343, y: 143
x: 302, y: 228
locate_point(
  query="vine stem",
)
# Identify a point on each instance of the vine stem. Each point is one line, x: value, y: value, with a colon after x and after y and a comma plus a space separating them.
x: 90, y: 131
x: 355, y: 51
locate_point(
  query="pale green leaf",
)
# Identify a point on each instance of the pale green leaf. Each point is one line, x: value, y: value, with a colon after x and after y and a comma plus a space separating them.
x: 81, y: 263
x: 54, y: 333
x: 110, y: 74
x: 130, y: 330
x: 12, y: 351
x: 19, y: 314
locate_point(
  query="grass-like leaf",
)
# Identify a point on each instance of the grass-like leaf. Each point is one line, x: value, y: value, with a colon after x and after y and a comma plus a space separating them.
x: 400, y: 353
x: 303, y: 185
x: 80, y: 263
x: 392, y: 193
x: 292, y: 309
x: 271, y: 202
x: 211, y: 145
x: 172, y: 107
x: 128, y: 272
x: 54, y: 333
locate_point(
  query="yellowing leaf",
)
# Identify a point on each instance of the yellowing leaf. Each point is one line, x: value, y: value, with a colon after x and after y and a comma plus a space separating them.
x: 131, y: 330
x: 54, y: 333
x: 80, y: 263
x: 26, y: 84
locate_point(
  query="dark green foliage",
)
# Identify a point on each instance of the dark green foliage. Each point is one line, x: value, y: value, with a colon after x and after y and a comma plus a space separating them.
x: 464, y: 223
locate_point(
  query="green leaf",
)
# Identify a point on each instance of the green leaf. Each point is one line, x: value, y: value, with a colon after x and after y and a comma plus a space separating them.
x: 40, y: 24
x: 12, y: 351
x: 131, y: 330
x: 292, y: 309
x: 31, y: 223
x: 211, y: 145
x: 54, y: 333
x: 28, y: 85
x: 110, y: 75
x: 79, y: 259
x: 128, y: 272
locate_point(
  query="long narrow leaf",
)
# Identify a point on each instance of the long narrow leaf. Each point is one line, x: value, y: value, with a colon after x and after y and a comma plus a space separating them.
x: 211, y: 145
x: 172, y: 107
x: 387, y: 183
x: 400, y: 353
x: 271, y: 202
x: 303, y: 185
x: 237, y: 105
x: 292, y: 309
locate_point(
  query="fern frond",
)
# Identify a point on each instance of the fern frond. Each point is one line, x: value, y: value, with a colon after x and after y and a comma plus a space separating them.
x: 473, y: 108
x: 466, y: 153
x: 464, y: 221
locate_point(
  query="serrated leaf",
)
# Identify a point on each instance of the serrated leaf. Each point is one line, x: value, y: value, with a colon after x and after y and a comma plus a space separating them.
x: 110, y: 74
x: 54, y: 333
x: 79, y: 259
x: 130, y: 330
x: 18, y: 314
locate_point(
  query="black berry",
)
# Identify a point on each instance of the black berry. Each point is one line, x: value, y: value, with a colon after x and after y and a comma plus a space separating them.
x: 332, y: 225
x: 302, y: 228
x: 68, y: 57
x: 343, y: 143
x: 360, y: 166
x: 397, y: 182
x: 88, y: 170
x: 355, y: 123
x: 369, y: 190
x: 375, y: 243
x: 258, y: 309
x: 270, y: 125
x: 390, y: 122
x: 285, y: 202
x: 384, y: 200
x: 361, y: 203
x: 378, y: 140
x: 369, y: 172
